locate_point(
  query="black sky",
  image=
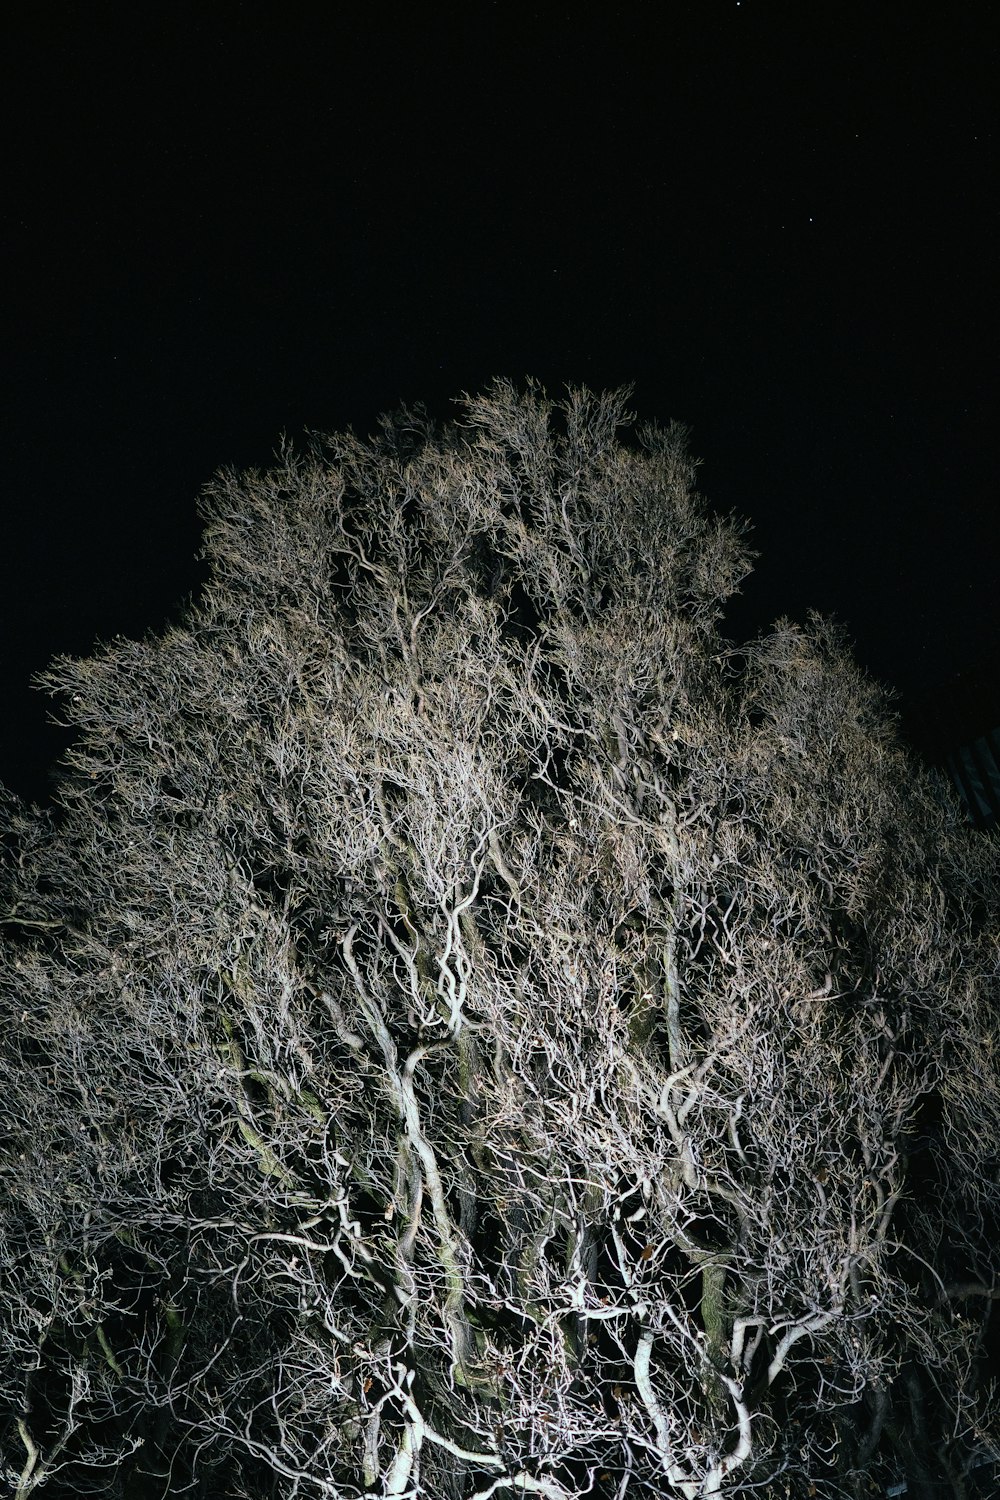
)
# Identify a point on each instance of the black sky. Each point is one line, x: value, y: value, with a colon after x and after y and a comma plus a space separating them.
x: 221, y: 223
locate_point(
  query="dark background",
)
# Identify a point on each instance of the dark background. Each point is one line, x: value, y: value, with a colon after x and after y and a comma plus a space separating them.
x: 224, y: 222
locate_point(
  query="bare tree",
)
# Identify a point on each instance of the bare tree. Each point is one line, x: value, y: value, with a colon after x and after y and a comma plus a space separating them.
x: 471, y: 1030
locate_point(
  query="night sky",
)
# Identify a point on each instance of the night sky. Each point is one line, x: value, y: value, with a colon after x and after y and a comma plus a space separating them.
x: 224, y: 222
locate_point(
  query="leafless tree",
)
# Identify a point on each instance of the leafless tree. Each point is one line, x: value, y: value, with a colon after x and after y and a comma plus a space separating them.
x: 471, y: 1030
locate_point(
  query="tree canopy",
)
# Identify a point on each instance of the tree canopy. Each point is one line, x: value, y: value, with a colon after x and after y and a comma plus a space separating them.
x: 469, y: 1028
